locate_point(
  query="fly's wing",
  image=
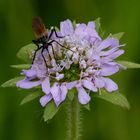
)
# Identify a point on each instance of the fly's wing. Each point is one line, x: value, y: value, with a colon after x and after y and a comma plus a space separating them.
x: 38, y: 27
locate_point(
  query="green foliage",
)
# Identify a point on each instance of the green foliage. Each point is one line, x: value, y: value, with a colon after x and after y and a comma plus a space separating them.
x: 71, y: 94
x: 98, y: 27
x: 12, y: 82
x: 21, y: 66
x: 50, y: 111
x: 74, y: 23
x: 98, y: 24
x: 31, y: 96
x: 118, y: 35
x: 26, y: 52
x: 87, y: 106
x: 115, y: 98
x: 129, y: 65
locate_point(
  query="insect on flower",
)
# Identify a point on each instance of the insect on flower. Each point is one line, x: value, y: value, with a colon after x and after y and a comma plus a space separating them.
x: 43, y: 40
x: 87, y: 68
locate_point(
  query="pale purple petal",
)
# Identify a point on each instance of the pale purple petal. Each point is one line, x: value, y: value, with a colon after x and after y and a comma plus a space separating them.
x: 111, y: 63
x: 94, y: 56
x: 75, y: 57
x: 26, y: 84
x: 80, y: 30
x: 109, y: 70
x: 89, y: 85
x: 91, y: 25
x: 66, y: 27
x: 46, y: 86
x: 116, y: 54
x: 64, y: 91
x: 87, y: 32
x: 99, y: 82
x: 92, y: 32
x: 59, y: 76
x: 94, y: 39
x: 71, y: 85
x: 110, y: 85
x: 107, y: 43
x: 108, y: 52
x: 45, y: 99
x: 56, y: 93
x: 83, y: 97
x: 30, y: 73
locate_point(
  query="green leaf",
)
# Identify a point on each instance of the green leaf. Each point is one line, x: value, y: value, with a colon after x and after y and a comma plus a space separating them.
x: 129, y: 65
x: 21, y: 66
x: 50, y: 111
x: 74, y: 23
x: 31, y: 97
x: 116, y: 98
x: 118, y: 35
x: 71, y: 94
x: 97, y: 24
x: 87, y: 106
x: 12, y: 82
x: 25, y: 53
x: 57, y: 29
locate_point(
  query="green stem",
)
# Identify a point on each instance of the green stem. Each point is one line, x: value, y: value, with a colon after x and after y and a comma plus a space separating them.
x: 74, y: 120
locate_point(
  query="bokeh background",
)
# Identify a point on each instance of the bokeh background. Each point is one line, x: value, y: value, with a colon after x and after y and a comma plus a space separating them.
x: 105, y: 121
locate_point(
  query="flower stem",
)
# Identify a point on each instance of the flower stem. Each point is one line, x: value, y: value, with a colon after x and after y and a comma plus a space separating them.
x: 74, y: 120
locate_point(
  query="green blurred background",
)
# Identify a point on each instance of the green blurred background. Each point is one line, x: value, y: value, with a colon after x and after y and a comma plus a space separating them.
x: 105, y: 121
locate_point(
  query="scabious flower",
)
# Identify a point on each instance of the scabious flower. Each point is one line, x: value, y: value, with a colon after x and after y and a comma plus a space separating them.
x: 84, y: 63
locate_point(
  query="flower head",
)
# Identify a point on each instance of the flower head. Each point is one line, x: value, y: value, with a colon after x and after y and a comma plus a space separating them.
x: 84, y: 63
